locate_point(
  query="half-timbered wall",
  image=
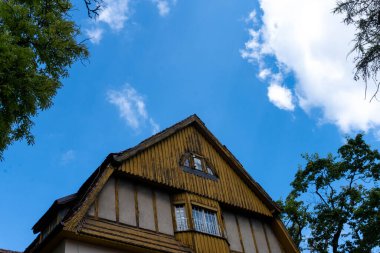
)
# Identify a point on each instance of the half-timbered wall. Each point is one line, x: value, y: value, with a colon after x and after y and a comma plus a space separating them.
x: 250, y: 235
x: 133, y: 204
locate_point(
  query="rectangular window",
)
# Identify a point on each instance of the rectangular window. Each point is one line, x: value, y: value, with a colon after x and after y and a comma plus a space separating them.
x: 205, y: 221
x: 181, y: 218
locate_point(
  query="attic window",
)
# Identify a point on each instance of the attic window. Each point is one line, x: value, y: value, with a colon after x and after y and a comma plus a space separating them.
x: 198, y: 165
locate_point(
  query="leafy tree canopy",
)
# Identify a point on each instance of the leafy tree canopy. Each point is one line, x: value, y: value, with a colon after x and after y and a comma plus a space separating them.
x: 334, y: 204
x: 364, y: 15
x: 37, y: 46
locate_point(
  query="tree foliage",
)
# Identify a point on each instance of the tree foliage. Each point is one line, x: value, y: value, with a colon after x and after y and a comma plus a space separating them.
x: 364, y: 15
x: 334, y: 204
x: 38, y: 43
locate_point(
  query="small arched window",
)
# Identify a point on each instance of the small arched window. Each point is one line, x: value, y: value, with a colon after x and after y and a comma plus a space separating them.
x: 197, y: 164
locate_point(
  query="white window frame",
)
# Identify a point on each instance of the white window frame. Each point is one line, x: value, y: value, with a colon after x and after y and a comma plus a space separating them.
x: 205, y: 220
x: 181, y: 217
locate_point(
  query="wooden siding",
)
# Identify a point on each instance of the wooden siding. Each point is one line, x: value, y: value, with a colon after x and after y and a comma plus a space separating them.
x: 198, y: 241
x: 207, y: 243
x: 131, y: 235
x: 195, y: 199
x: 203, y: 243
x: 160, y: 163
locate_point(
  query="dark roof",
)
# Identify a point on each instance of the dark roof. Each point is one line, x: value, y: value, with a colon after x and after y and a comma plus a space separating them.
x: 74, y: 200
x: 8, y: 251
x: 57, y: 205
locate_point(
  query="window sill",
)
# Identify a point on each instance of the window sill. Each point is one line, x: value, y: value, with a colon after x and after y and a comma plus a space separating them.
x: 199, y: 173
x: 200, y: 232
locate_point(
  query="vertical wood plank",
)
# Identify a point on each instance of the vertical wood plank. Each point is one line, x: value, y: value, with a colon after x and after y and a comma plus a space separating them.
x: 136, y: 206
x: 155, y: 210
x: 253, y: 235
x: 239, y: 231
x: 117, y: 198
x: 266, y: 238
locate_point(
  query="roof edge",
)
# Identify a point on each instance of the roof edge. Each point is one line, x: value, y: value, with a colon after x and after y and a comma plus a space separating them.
x: 8, y: 251
x: 73, y: 200
x: 55, y: 207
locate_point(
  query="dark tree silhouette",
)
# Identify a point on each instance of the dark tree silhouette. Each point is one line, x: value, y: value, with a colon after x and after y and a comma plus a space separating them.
x: 38, y: 44
x: 364, y: 15
x: 336, y: 200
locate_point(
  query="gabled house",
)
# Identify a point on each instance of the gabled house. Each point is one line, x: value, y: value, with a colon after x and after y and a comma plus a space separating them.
x: 178, y: 191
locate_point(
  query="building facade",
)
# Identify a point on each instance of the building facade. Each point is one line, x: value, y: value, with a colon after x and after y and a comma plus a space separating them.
x: 178, y: 191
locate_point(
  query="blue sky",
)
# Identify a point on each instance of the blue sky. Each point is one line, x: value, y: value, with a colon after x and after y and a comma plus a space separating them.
x: 270, y: 82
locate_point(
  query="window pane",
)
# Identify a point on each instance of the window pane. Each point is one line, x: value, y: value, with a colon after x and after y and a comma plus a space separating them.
x: 205, y: 221
x: 197, y: 163
x: 186, y: 163
x: 209, y: 171
x: 180, y: 218
x: 197, y: 217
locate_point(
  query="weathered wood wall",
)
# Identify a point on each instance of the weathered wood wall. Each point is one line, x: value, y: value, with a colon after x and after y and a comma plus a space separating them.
x: 160, y: 163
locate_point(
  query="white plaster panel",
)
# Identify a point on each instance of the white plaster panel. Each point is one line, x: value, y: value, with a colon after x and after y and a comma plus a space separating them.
x: 80, y: 247
x: 246, y: 234
x: 164, y: 214
x: 127, y: 209
x: 106, y: 201
x: 274, y: 244
x: 259, y: 233
x: 91, y: 210
x: 232, y: 231
x: 145, y: 204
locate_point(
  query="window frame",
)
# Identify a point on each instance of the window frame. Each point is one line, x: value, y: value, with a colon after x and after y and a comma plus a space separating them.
x: 192, y: 168
x: 183, y: 225
x: 209, y: 224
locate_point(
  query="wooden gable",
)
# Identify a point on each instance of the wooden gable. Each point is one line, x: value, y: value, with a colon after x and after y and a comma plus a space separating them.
x: 158, y: 160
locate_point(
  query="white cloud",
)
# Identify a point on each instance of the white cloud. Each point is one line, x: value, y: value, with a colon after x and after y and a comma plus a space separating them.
x: 162, y: 6
x: 114, y: 13
x: 132, y: 108
x: 67, y: 156
x: 253, y: 47
x: 155, y: 126
x: 95, y: 34
x: 264, y: 73
x: 304, y: 37
x: 281, y: 97
x: 251, y: 17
